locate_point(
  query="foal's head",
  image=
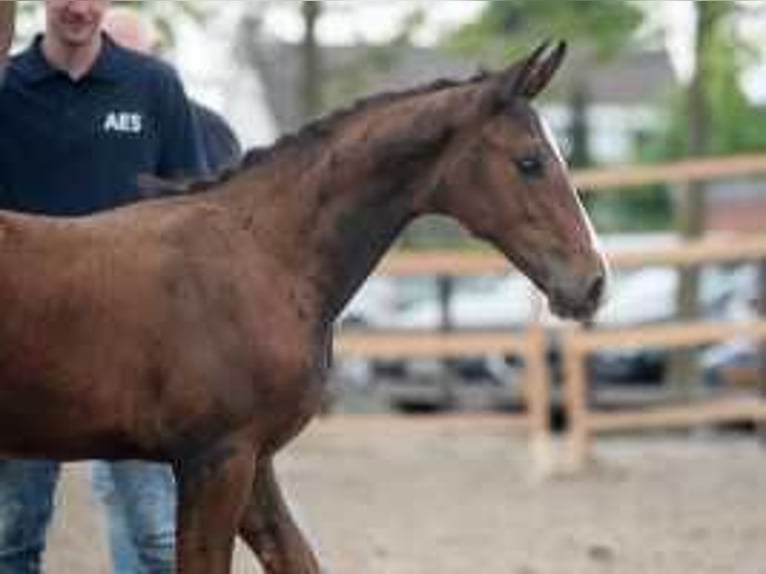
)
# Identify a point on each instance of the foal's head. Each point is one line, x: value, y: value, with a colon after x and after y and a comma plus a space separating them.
x: 502, y: 176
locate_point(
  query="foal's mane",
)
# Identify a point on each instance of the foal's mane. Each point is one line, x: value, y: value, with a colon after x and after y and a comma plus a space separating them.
x: 323, y: 127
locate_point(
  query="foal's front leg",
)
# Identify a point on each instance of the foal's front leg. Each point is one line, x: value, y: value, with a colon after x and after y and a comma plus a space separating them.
x: 271, y: 532
x: 213, y: 488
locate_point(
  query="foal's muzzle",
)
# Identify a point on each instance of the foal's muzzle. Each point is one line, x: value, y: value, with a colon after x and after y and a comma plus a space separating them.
x: 578, y: 297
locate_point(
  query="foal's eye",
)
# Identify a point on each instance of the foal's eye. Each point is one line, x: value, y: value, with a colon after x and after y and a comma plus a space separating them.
x: 530, y: 166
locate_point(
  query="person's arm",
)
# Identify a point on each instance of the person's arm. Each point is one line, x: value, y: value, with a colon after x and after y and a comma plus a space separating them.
x: 7, y: 21
x: 222, y: 148
x: 182, y: 153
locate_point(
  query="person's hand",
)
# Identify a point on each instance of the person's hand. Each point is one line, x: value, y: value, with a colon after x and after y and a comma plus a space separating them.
x: 150, y: 186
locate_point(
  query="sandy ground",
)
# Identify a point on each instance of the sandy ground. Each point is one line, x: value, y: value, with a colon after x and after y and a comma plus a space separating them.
x: 445, y: 495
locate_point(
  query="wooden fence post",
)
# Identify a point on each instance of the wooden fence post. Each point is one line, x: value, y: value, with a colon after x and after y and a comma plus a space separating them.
x: 576, y: 401
x: 537, y: 393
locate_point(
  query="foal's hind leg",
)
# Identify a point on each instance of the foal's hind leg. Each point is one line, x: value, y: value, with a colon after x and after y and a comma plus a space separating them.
x: 212, y: 491
x: 270, y: 531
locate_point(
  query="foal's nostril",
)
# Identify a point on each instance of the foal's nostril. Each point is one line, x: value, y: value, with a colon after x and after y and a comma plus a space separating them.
x: 596, y: 290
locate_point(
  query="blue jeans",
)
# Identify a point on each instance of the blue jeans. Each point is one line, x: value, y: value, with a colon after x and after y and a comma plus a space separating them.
x: 26, y: 505
x: 140, y: 502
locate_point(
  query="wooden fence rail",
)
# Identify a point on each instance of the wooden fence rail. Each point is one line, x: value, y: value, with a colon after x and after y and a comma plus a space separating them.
x: 578, y: 344
x: 529, y: 344
x: 583, y: 423
x: 706, y: 251
x: 698, y: 169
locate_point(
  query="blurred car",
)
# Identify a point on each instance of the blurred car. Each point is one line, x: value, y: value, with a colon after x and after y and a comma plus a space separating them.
x: 640, y: 297
x: 474, y: 303
x: 732, y: 364
x: 381, y: 297
x: 376, y: 299
x: 650, y: 296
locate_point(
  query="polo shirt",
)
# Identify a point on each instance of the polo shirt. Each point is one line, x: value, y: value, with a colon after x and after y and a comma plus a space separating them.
x: 73, y: 147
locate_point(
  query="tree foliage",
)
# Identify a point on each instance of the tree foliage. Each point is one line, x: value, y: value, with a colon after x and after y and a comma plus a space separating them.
x: 734, y: 123
x: 504, y: 27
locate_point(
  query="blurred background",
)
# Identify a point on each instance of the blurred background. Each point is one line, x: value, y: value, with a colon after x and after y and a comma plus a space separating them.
x: 661, y: 112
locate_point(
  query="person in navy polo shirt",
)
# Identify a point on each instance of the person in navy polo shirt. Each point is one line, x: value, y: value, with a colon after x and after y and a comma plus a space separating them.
x: 80, y: 119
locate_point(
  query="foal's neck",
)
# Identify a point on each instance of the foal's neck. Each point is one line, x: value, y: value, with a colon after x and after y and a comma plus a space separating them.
x: 330, y: 209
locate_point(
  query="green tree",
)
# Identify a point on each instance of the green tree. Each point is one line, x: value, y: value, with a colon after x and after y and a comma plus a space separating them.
x: 509, y: 28
x: 506, y: 29
x: 710, y: 116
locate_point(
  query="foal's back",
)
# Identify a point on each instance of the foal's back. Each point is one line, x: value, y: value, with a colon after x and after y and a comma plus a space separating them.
x: 129, y: 331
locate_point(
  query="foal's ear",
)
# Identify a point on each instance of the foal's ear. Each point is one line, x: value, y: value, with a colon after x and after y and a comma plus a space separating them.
x: 529, y: 76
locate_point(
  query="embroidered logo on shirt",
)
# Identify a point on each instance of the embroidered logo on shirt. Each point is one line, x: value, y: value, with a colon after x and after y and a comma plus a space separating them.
x: 123, y: 122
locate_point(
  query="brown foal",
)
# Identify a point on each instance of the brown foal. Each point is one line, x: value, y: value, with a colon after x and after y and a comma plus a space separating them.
x: 197, y: 329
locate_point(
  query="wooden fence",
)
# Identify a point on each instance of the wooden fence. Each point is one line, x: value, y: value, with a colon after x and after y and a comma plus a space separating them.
x: 578, y: 344
x: 530, y: 343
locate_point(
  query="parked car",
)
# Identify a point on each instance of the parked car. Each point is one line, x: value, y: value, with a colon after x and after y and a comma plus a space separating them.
x: 381, y: 297
x: 735, y: 363
x: 649, y: 296
x: 376, y: 299
x: 475, y: 303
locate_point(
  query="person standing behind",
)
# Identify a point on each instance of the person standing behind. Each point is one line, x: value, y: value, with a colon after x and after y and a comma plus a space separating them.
x: 80, y: 118
x: 222, y: 148
x: 133, y: 30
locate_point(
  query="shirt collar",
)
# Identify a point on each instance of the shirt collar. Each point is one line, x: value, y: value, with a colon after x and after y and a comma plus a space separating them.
x: 35, y: 67
x: 107, y: 66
